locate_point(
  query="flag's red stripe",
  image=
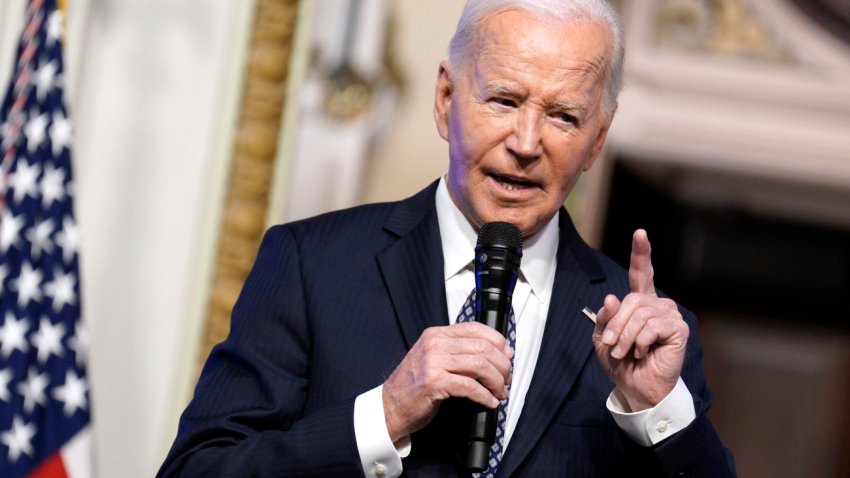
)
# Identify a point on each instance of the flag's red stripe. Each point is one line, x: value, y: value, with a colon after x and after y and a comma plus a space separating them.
x: 50, y: 468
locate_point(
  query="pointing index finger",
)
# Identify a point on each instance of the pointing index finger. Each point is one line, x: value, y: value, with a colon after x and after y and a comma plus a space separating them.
x: 640, y: 264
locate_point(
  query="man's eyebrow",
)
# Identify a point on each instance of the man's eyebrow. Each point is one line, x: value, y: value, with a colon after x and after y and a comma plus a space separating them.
x: 500, y: 90
x: 567, y: 106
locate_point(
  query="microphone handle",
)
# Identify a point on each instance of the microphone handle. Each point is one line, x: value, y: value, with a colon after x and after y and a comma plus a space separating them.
x: 493, y: 312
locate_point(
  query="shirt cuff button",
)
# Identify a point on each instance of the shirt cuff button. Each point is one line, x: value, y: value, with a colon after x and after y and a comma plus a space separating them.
x: 380, y: 469
x: 661, y: 426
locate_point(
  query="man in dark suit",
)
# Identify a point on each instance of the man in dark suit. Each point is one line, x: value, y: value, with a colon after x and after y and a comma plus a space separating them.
x: 341, y: 360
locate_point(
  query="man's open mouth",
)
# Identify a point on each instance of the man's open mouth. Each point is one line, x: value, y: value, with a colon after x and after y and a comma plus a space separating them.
x: 512, y: 184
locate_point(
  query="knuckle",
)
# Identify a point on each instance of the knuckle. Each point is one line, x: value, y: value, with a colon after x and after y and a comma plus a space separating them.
x: 479, y: 346
x: 617, y: 324
x: 431, y: 379
x: 428, y: 333
x: 478, y: 362
x: 668, y: 303
x: 631, y: 330
x: 630, y: 299
x: 653, y: 327
x: 428, y: 364
x: 429, y: 345
x: 644, y: 314
x: 468, y: 386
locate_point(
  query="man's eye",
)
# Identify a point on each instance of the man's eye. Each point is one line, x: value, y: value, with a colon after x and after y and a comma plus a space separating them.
x: 567, y: 118
x: 505, y: 102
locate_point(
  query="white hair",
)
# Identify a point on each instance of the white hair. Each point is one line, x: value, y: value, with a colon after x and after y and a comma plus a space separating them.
x: 567, y: 11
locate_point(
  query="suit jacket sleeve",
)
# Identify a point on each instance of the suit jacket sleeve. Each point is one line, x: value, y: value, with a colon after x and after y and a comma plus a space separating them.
x: 247, y: 417
x: 695, y: 451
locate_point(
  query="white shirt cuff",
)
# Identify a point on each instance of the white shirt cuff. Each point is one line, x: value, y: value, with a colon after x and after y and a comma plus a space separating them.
x: 379, y: 457
x: 650, y: 426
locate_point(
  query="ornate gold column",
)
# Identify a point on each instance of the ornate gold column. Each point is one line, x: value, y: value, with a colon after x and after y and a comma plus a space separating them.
x: 254, y: 152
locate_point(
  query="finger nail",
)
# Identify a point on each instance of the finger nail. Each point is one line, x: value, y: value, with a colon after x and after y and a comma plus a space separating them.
x: 608, y: 337
x: 617, y: 353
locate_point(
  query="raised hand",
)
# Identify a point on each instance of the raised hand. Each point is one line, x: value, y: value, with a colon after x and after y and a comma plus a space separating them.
x: 641, y: 341
x: 464, y: 360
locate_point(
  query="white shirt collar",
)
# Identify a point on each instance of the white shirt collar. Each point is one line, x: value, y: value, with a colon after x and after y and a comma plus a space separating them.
x: 458, y: 238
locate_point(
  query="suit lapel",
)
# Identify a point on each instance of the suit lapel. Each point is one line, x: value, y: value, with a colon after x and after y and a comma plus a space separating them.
x: 566, y: 345
x: 412, y: 266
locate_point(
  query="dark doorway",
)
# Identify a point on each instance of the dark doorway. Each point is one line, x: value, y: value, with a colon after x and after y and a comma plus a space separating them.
x: 771, y: 294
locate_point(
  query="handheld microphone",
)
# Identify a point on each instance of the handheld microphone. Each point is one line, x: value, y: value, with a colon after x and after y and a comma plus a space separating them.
x: 497, y: 257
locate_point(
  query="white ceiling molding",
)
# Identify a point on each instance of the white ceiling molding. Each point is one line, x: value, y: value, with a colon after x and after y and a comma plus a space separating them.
x: 782, y: 115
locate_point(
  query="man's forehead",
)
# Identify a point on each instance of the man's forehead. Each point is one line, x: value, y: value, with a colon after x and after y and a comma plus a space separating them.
x: 578, y: 45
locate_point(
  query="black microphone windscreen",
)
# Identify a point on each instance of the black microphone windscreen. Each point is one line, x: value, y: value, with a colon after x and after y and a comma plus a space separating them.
x: 500, y: 234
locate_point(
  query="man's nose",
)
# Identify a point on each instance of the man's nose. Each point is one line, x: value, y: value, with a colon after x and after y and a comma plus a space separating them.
x: 525, y: 140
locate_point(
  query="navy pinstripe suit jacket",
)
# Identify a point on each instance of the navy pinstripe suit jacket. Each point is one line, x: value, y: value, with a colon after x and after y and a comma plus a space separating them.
x: 330, y: 308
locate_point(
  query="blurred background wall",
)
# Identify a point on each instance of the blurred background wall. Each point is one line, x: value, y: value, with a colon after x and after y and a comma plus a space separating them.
x: 197, y: 124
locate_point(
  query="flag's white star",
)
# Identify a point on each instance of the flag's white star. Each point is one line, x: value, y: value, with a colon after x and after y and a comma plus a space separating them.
x: 39, y: 237
x: 52, y: 185
x: 24, y: 180
x: 28, y: 285
x: 60, y: 132
x: 32, y: 389
x: 54, y: 27
x: 5, y: 377
x: 48, y: 339
x: 68, y: 238
x: 45, y: 79
x: 18, y: 438
x: 61, y: 289
x: 10, y: 230
x: 13, y: 335
x: 79, y: 343
x: 36, y: 131
x: 72, y: 393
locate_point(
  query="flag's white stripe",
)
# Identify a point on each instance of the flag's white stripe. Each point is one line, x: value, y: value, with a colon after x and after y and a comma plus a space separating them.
x: 77, y: 455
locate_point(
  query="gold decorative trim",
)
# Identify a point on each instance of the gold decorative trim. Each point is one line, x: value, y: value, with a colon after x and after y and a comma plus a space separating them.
x: 247, y: 200
x: 721, y: 27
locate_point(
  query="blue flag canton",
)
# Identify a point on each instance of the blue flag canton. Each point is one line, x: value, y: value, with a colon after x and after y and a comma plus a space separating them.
x: 44, y: 393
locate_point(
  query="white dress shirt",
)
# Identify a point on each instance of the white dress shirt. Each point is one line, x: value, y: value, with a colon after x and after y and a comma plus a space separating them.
x: 382, y: 458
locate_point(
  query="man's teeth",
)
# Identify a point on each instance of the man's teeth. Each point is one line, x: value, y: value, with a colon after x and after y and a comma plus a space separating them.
x: 512, y: 186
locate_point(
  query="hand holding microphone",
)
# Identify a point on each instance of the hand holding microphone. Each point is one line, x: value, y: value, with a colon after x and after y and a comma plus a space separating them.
x: 468, y: 360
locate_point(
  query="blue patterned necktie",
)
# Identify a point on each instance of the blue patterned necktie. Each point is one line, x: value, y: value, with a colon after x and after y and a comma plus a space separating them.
x: 467, y: 314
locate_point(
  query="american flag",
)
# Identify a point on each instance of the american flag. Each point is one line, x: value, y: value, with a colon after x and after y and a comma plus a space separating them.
x: 44, y: 392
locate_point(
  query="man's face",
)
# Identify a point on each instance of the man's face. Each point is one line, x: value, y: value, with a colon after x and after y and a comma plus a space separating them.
x: 523, y: 118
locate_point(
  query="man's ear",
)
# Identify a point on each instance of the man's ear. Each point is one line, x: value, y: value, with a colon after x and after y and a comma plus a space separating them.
x: 597, y: 146
x: 443, y: 99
